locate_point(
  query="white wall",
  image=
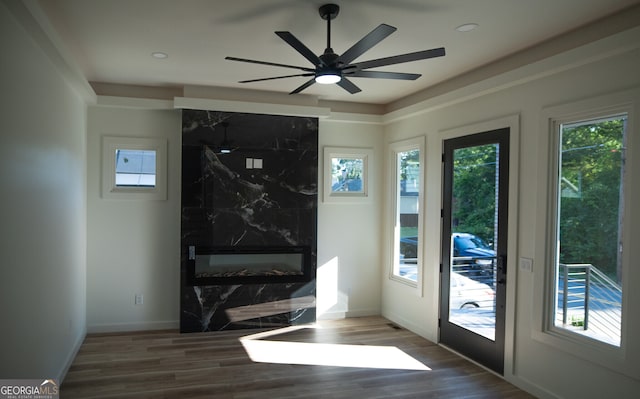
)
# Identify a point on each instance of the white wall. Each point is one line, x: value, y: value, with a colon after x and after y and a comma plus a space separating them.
x: 43, y: 211
x: 349, y: 263
x: 606, y: 66
x: 133, y: 245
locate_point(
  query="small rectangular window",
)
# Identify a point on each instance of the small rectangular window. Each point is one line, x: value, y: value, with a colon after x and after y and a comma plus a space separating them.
x: 134, y: 168
x: 346, y: 174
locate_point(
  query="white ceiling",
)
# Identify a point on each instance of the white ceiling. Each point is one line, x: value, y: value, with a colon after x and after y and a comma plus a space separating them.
x: 112, y: 40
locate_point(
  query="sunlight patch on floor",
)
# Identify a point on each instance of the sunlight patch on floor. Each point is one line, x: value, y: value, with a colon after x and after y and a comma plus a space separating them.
x: 339, y: 355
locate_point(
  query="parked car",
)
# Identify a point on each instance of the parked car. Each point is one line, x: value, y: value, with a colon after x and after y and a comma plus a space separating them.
x: 472, y: 256
x: 409, y: 250
x: 467, y: 293
x: 472, y: 246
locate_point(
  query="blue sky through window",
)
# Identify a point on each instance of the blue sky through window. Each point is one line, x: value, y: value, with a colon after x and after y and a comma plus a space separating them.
x: 135, y: 168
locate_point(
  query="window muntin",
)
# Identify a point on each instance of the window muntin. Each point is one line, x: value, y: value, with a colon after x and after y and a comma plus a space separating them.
x: 587, y: 287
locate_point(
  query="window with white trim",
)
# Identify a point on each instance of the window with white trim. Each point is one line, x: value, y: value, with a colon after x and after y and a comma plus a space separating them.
x: 134, y: 168
x: 407, y: 160
x: 587, y: 152
x: 589, y: 208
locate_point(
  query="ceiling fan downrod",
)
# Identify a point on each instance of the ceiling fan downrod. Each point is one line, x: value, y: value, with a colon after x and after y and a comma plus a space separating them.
x: 329, y: 12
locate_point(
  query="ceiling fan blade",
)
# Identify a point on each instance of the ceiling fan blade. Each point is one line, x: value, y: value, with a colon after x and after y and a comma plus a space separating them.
x: 269, y: 63
x: 348, y: 86
x: 301, y: 48
x: 384, y: 75
x: 371, y: 39
x: 399, y: 59
x: 304, y: 86
x: 276, y: 77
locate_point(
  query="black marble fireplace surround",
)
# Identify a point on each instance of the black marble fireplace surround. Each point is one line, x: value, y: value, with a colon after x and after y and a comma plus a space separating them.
x: 249, y: 216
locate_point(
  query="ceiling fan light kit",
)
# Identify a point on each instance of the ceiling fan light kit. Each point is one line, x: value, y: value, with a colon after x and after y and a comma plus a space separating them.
x: 329, y: 67
x: 328, y: 77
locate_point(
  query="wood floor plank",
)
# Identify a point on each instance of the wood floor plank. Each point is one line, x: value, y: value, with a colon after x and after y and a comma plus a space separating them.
x: 167, y: 364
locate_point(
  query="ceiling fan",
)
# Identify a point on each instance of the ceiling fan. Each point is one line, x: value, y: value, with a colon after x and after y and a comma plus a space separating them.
x: 330, y: 67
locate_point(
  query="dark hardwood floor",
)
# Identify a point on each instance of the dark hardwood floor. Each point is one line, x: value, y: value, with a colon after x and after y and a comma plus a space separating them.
x: 351, y: 358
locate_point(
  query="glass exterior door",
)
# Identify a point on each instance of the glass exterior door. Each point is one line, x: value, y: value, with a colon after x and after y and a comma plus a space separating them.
x: 474, y: 246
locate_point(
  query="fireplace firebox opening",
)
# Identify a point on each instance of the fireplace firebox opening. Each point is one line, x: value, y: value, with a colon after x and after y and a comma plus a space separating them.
x: 247, y: 265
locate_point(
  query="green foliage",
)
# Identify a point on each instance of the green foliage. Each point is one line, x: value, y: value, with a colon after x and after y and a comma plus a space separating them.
x: 577, y: 321
x: 352, y: 168
x: 592, y: 158
x: 409, y: 164
x: 592, y: 161
x: 474, y: 190
x: 408, y: 231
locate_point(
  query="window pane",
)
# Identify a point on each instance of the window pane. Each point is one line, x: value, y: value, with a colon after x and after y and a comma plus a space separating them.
x: 474, y: 224
x: 346, y: 174
x: 588, y: 293
x: 408, y: 211
x: 135, y: 168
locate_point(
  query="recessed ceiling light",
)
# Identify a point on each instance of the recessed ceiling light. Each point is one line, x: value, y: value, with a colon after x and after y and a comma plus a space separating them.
x: 159, y: 55
x: 467, y: 27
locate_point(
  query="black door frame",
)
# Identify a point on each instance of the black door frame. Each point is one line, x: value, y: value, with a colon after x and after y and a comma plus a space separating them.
x: 481, y: 349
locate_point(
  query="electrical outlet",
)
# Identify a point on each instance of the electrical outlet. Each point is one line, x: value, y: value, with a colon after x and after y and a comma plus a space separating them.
x: 526, y: 264
x: 139, y: 299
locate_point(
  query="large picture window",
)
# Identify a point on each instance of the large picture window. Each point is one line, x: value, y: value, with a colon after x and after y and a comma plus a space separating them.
x: 586, y: 268
x: 589, y: 219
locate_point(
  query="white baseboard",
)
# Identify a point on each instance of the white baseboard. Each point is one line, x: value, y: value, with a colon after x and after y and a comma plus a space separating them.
x: 138, y: 326
x: 71, y: 356
x: 331, y: 316
x: 532, y: 388
x: 522, y: 383
x: 336, y: 315
x: 363, y: 313
x: 414, y: 328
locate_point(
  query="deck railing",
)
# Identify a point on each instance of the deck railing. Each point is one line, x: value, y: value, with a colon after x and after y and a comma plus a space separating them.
x: 583, y: 288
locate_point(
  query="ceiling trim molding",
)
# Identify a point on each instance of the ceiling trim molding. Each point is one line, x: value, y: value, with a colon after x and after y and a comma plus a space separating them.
x: 29, y: 15
x: 251, y: 107
x: 608, y: 47
x: 350, y: 117
x: 135, y: 103
x: 611, y: 25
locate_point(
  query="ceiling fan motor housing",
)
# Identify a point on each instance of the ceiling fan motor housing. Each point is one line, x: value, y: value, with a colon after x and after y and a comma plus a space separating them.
x: 329, y: 11
x: 328, y: 71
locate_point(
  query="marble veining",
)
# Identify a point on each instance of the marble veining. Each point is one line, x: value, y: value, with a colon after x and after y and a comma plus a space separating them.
x: 262, y: 193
